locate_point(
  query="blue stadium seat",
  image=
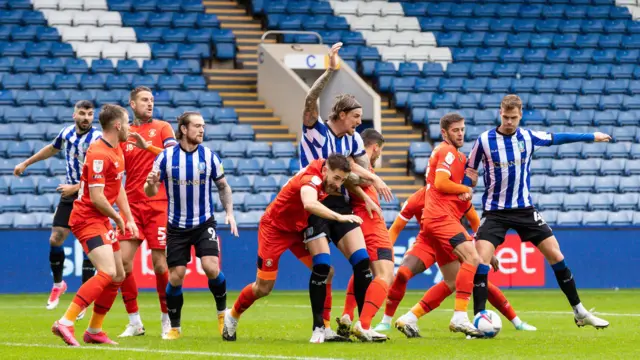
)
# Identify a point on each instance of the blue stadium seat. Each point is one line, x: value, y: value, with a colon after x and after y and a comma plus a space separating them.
x: 225, y: 115
x: 627, y: 118
x: 606, y: 184
x: 275, y: 167
x: 629, y: 184
x: 563, y: 167
x: 217, y: 132
x: 283, y: 149
x: 22, y: 185
x: 626, y: 133
x: 512, y: 55
x: 209, y: 99
x: 557, y: 184
x: 239, y: 183
x: 575, y: 202
x: 600, y: 202
x: 550, y: 202
x: 255, y: 202
x: 596, y: 218
x: 419, y: 149
x: 265, y: 183
x: 258, y: 149
x: 420, y: 165
x: 588, y: 167
x: 582, y: 184
x: 248, y: 167
x: 632, y: 168
x: 541, y: 167
x: 537, y: 184
x: 622, y: 218
x: 38, y: 204
x: 634, y: 151
x: 612, y: 167
x: 26, y: 221
x: 618, y: 150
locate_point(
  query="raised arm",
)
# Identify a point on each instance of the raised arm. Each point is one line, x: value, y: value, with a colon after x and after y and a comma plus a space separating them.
x: 310, y: 113
x: 44, y: 153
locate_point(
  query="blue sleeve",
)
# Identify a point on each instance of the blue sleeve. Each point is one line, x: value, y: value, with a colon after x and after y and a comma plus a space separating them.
x: 541, y: 138
x: 217, y: 172
x: 160, y: 165
x: 476, y: 154
x: 358, y: 146
x: 566, y: 138
x: 59, y: 140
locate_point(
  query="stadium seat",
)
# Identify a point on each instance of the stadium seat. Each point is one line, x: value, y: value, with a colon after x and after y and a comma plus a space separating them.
x: 550, y: 202
x: 582, y: 184
x: 265, y: 183
x: 26, y: 221
x: 622, y: 218
x: 557, y: 184
x: 38, y: 204
x: 275, y: 167
x: 233, y: 149
x: 283, y: 149
x: 623, y: 202
x: 632, y: 168
x: 575, y: 202
x: 612, y: 167
x: 600, y: 202
x: 248, y: 167
x: 596, y: 218
x: 22, y: 185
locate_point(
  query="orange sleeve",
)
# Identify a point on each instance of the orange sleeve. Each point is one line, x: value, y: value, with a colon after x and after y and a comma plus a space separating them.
x: 396, y: 228
x: 155, y: 150
x: 167, y: 136
x: 473, y: 218
x: 444, y: 184
x: 97, y: 164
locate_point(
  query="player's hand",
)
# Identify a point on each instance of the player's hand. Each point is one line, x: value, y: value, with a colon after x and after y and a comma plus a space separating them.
x: 132, y: 228
x: 601, y: 137
x: 495, y: 263
x: 67, y: 190
x: 473, y: 175
x: 120, y: 225
x: 354, y: 219
x: 140, y: 142
x: 466, y: 196
x: 20, y: 169
x: 371, y: 206
x: 382, y: 189
x: 334, y: 59
x: 153, y: 177
x: 230, y: 220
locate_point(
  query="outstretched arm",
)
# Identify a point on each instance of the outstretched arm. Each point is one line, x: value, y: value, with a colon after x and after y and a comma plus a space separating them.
x: 44, y: 153
x: 310, y: 113
x: 565, y: 138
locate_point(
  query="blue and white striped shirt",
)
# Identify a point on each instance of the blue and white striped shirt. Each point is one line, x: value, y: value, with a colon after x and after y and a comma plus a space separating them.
x: 75, y: 148
x: 318, y: 142
x: 506, y: 160
x: 189, y: 178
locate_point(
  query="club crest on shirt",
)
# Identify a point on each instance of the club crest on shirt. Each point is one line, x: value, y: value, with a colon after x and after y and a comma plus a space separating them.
x: 97, y: 166
x: 116, y: 164
x: 152, y: 132
x: 201, y: 167
x: 521, y: 146
x: 449, y: 158
x: 84, y: 147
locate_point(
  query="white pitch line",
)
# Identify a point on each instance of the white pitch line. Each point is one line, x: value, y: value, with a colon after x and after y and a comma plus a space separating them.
x: 297, y: 306
x: 170, y: 352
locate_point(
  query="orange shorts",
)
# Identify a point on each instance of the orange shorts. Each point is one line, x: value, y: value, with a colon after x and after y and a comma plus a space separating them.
x: 376, y: 237
x: 444, y: 234
x: 94, y: 232
x: 426, y: 253
x: 272, y: 243
x: 151, y: 219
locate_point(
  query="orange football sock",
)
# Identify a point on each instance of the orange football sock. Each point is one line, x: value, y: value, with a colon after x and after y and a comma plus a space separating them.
x: 328, y: 302
x: 397, y: 290
x: 103, y: 304
x: 244, y: 301
x: 350, y: 301
x: 464, y: 286
x: 431, y: 299
x: 87, y: 294
x: 161, y: 287
x: 129, y: 290
x: 376, y: 293
x: 500, y: 302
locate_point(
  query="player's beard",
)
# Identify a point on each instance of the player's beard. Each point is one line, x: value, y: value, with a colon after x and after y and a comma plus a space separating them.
x: 83, y: 125
x: 196, y: 140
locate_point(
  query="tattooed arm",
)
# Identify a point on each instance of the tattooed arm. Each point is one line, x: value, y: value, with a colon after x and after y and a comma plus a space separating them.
x: 310, y: 113
x: 225, y: 198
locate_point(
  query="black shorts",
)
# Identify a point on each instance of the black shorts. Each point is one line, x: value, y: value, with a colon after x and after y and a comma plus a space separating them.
x: 179, y: 241
x: 63, y: 212
x: 334, y: 230
x: 527, y: 222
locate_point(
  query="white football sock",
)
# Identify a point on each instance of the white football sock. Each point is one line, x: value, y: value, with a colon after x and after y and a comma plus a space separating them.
x: 580, y: 311
x: 134, y: 319
x: 386, y: 319
x: 516, y: 321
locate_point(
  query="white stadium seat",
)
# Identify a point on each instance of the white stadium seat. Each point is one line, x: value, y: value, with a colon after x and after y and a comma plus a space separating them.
x: 424, y: 39
x: 71, y: 34
x: 45, y: 4
x: 71, y: 5
x: 85, y: 18
x: 403, y: 38
x: 374, y: 38
x: 99, y: 34
x: 393, y: 53
x: 363, y: 23
x: 114, y: 51
x: 125, y: 34
x: 387, y: 23
x: 369, y: 8
x: 88, y: 50
x: 95, y: 5
x: 417, y: 54
x: 440, y: 55
x: 55, y: 18
x: 109, y: 18
x: 409, y: 24
x: 345, y: 8
x: 138, y: 51
x: 391, y: 9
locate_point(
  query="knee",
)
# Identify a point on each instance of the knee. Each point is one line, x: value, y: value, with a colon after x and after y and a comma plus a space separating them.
x: 118, y: 278
x: 159, y: 269
x: 112, y: 273
x: 554, y: 256
x: 451, y: 284
x: 175, y: 278
x: 262, y: 288
x: 56, y: 238
x: 474, y: 260
x: 159, y: 262
x: 127, y: 266
x: 211, y: 271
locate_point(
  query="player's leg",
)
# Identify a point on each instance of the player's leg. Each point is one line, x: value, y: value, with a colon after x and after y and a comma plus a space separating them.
x: 550, y: 248
x: 271, y: 244
x: 56, y: 259
x: 353, y: 247
x: 382, y: 267
x: 102, y: 305
x: 318, y: 246
x: 417, y: 259
x: 155, y: 233
x: 178, y: 256
x: 129, y: 288
x: 96, y: 240
x: 408, y: 323
x: 500, y: 302
x: 208, y: 250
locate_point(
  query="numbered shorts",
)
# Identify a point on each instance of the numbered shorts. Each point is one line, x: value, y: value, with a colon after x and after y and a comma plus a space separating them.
x: 319, y: 227
x: 202, y: 237
x: 63, y: 211
x: 527, y: 222
x: 151, y: 219
x: 376, y: 237
x: 425, y: 252
x: 443, y: 234
x: 94, y: 233
x: 272, y: 243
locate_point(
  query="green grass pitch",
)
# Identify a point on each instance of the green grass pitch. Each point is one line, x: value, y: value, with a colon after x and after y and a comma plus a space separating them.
x: 278, y: 327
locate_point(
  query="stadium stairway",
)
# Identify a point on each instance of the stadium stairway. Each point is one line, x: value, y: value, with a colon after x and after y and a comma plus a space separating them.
x: 238, y: 86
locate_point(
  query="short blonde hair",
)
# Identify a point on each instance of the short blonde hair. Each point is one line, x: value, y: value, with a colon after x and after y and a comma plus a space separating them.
x: 511, y: 102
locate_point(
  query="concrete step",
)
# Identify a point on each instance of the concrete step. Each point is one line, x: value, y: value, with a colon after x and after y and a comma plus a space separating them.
x: 225, y: 11
x: 254, y: 104
x: 263, y: 112
x: 275, y: 137
x: 235, y: 88
x: 259, y: 120
x: 219, y: 4
x: 239, y: 96
x: 396, y: 129
x: 271, y: 129
x: 240, y: 26
x: 232, y: 80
